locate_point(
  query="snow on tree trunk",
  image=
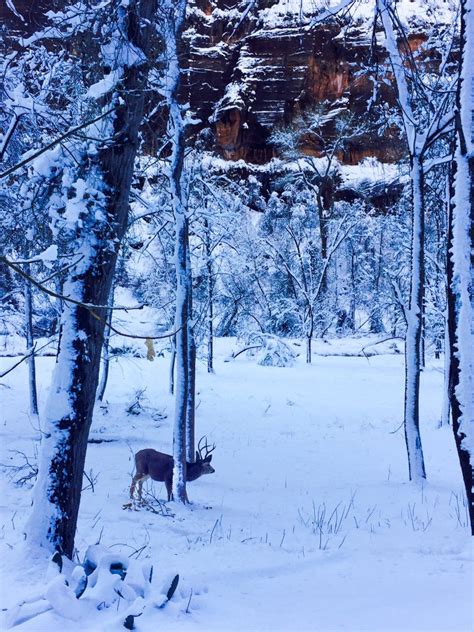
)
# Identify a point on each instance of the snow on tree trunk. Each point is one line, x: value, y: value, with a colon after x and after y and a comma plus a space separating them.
x: 447, y: 386
x: 191, y: 400
x: 309, y: 340
x: 415, y: 141
x: 105, y: 353
x: 172, y: 365
x: 30, y: 344
x: 210, y: 299
x: 182, y: 382
x: 191, y: 359
x: 174, y: 15
x: 101, y: 193
x: 416, y: 466
x: 461, y: 284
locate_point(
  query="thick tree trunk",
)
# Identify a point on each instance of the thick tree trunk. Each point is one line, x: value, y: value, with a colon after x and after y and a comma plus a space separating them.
x: 461, y: 266
x: 416, y: 466
x: 70, y: 406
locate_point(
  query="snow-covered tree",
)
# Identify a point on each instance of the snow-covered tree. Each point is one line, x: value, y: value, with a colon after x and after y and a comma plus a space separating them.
x: 175, y: 13
x: 425, y: 120
x: 461, y: 284
x: 92, y: 212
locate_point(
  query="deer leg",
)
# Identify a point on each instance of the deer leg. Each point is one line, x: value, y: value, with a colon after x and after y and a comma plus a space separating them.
x: 132, y: 486
x: 138, y: 478
x: 140, y: 485
x: 169, y: 487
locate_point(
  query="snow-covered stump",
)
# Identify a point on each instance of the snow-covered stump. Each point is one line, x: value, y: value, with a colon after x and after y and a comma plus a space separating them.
x: 82, y: 592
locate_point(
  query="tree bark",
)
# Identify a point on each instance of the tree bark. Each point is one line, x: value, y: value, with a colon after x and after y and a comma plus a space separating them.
x: 210, y: 300
x: 461, y: 265
x: 416, y: 466
x: 71, y: 401
x: 191, y: 401
x: 105, y: 352
x: 174, y: 15
x: 30, y: 343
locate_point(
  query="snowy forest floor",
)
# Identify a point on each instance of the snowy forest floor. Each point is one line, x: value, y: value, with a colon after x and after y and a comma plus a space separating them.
x: 309, y: 522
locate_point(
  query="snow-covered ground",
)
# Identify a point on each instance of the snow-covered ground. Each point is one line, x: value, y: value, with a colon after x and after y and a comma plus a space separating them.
x: 308, y: 523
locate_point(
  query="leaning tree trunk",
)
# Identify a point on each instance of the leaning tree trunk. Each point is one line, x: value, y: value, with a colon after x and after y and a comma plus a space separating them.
x: 70, y: 406
x: 461, y: 266
x: 416, y: 466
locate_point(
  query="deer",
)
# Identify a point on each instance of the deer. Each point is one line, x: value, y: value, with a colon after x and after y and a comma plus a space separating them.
x: 159, y: 467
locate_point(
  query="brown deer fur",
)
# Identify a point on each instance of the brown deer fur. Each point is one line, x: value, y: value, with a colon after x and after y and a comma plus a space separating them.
x: 159, y: 467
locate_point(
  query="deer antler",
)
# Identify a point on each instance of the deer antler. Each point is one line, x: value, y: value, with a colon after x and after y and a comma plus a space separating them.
x: 205, y: 447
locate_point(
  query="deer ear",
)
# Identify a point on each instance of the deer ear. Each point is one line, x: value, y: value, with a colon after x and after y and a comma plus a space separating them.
x: 197, y: 456
x: 209, y: 458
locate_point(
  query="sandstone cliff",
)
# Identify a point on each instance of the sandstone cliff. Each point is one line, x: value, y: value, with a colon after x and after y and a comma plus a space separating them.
x: 254, y: 66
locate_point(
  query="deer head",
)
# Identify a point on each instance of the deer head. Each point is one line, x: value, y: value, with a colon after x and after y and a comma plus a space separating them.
x: 204, y: 456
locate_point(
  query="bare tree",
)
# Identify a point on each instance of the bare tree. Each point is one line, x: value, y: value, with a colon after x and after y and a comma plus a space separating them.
x: 174, y: 23
x: 425, y: 121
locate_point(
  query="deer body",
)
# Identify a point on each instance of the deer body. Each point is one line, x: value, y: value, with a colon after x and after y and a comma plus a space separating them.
x: 158, y: 466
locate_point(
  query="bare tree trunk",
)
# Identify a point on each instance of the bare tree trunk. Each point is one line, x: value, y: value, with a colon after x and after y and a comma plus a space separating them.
x: 174, y: 15
x: 448, y: 373
x: 30, y: 344
x: 182, y: 369
x: 448, y: 378
x: 105, y: 352
x: 416, y: 464
x: 191, y: 398
x: 309, y: 339
x: 376, y: 322
x: 71, y: 401
x: 210, y: 300
x: 172, y: 365
x: 191, y: 401
x: 461, y: 265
